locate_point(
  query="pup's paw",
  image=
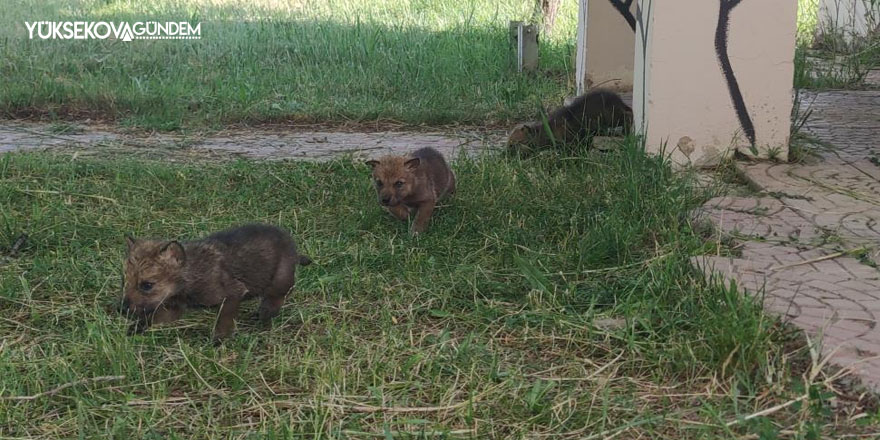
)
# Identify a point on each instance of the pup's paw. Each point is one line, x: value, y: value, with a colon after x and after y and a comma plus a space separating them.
x: 137, y: 328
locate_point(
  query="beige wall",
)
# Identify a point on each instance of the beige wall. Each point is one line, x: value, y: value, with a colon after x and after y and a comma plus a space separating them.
x: 608, y: 48
x: 681, y: 99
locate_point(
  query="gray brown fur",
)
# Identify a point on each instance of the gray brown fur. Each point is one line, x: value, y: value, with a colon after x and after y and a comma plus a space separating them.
x: 415, y: 182
x: 586, y: 115
x: 163, y: 278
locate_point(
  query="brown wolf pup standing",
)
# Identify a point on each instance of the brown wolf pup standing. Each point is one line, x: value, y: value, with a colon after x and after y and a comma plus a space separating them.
x: 413, y: 182
x: 163, y: 278
x: 585, y: 115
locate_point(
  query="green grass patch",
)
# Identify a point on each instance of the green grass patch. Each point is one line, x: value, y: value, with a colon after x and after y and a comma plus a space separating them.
x: 827, y: 69
x: 495, y: 323
x: 807, y: 21
x: 413, y: 61
x: 825, y: 58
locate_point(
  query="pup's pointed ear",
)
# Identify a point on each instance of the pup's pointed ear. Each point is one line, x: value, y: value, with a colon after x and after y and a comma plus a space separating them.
x: 130, y: 241
x: 372, y: 163
x: 173, y: 253
x: 413, y: 163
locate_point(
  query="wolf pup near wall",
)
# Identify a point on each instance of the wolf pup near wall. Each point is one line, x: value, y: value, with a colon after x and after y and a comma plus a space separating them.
x: 586, y: 115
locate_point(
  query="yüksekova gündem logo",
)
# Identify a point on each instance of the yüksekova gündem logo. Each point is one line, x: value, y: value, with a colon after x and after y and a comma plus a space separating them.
x: 101, y: 30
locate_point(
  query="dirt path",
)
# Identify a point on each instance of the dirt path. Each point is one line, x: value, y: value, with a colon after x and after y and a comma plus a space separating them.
x: 269, y: 142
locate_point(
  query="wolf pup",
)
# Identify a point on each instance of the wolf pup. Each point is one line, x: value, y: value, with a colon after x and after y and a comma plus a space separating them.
x: 413, y: 182
x: 585, y: 115
x: 163, y: 278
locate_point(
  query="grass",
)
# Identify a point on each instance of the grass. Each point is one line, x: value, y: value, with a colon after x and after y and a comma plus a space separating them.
x: 413, y: 61
x: 826, y: 69
x: 409, y: 61
x: 494, y: 324
x: 807, y: 21
x: 827, y: 60
x: 552, y: 297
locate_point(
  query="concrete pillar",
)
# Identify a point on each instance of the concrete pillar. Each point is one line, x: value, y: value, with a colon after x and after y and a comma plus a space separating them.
x: 713, y: 77
x: 851, y: 20
x: 606, y: 37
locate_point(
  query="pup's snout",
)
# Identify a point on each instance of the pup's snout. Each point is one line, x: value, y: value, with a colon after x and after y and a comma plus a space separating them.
x: 386, y: 201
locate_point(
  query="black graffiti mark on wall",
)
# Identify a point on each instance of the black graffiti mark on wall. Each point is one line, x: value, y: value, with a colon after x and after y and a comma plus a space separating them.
x: 742, y: 113
x: 623, y: 6
x: 644, y: 28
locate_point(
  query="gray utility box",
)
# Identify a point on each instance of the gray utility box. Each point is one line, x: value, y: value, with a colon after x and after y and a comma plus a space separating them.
x: 525, y: 39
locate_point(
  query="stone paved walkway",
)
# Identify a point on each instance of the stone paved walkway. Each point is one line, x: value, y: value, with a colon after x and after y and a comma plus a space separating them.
x: 809, y: 241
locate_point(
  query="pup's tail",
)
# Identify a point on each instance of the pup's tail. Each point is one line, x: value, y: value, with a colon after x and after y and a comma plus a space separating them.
x: 304, y: 260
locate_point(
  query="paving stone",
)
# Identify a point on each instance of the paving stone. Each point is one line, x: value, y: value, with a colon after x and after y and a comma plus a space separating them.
x: 863, y: 327
x: 807, y: 301
x: 845, y: 335
x: 823, y: 207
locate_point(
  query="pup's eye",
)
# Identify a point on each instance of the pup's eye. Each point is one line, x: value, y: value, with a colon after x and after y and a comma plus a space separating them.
x: 145, y: 286
x: 398, y: 184
x: 379, y: 183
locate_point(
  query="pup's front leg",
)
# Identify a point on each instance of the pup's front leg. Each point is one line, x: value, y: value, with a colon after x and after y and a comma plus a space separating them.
x: 423, y: 216
x: 226, y: 320
x: 160, y: 316
x: 399, y: 211
x: 138, y: 327
x: 166, y: 314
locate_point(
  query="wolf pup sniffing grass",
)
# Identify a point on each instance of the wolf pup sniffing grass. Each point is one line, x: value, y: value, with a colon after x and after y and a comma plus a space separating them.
x: 163, y: 278
x: 586, y: 115
x: 413, y: 182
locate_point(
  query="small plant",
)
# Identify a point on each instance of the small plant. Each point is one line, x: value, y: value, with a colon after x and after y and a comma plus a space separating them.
x: 865, y: 257
x: 753, y: 149
x: 802, y: 146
